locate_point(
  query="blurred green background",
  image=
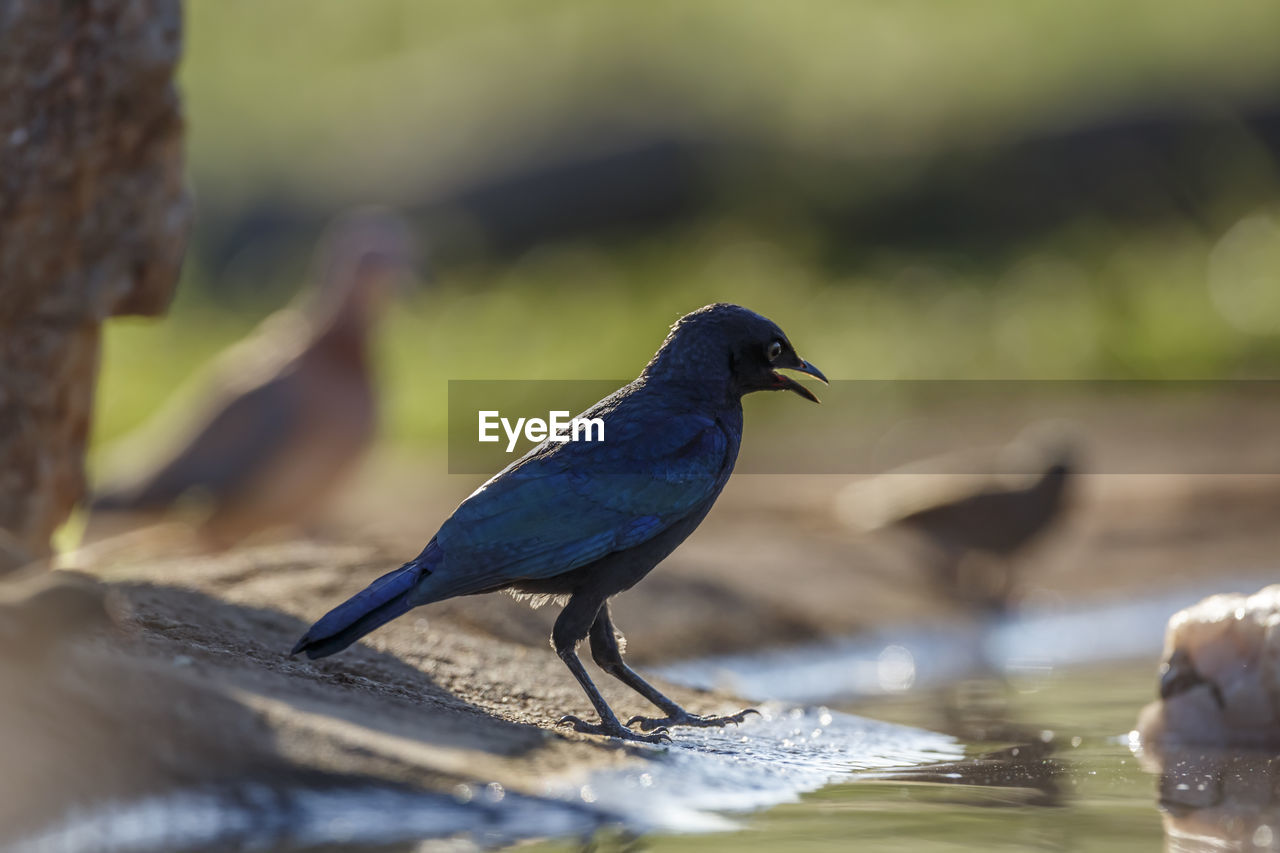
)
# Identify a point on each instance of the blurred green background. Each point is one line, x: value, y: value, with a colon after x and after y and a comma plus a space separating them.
x: 918, y: 189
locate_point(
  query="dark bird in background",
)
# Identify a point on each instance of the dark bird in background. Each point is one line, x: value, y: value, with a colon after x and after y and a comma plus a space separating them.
x: 283, y: 416
x: 583, y: 521
x: 972, y: 530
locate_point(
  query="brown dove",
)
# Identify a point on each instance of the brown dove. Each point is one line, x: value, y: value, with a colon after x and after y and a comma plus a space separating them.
x: 283, y: 416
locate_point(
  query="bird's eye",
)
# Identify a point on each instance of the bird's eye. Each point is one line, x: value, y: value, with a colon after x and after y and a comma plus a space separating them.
x: 775, y: 350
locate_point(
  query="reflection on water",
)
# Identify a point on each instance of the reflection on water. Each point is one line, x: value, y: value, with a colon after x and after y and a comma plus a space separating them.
x: 1027, y: 774
x: 1048, y: 767
x: 769, y: 759
x: 1217, y: 800
x: 1044, y: 704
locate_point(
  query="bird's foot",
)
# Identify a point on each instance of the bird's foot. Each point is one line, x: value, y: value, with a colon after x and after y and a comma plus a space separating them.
x: 684, y: 718
x: 658, y: 734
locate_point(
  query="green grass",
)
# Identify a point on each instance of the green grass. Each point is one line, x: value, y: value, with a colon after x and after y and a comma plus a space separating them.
x: 327, y: 99
x: 326, y: 102
x: 1121, y: 306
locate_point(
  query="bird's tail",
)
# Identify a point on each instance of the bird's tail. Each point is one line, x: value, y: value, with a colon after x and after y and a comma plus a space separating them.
x: 377, y: 604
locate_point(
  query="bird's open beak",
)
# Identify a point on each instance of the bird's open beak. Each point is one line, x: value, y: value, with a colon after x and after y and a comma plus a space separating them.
x: 786, y: 383
x: 1178, y: 675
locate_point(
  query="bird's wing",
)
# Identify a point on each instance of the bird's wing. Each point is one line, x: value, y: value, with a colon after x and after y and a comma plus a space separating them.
x: 565, y: 505
x: 224, y: 453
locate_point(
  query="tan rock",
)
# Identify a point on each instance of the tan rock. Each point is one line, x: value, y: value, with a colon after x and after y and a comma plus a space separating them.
x: 1220, y: 681
x: 93, y: 221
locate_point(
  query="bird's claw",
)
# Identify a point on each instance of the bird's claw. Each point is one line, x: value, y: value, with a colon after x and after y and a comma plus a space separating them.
x: 684, y: 718
x: 657, y: 734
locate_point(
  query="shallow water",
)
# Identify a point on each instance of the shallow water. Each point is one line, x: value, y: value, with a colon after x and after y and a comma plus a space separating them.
x: 1042, y: 705
x: 696, y: 783
x: 1036, y: 639
x: 1047, y: 766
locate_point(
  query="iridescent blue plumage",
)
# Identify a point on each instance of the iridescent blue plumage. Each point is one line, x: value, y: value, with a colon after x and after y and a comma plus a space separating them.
x: 565, y: 505
x: 589, y: 519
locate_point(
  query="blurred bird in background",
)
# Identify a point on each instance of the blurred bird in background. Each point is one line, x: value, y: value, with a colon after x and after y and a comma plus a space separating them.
x: 280, y: 418
x: 972, y: 526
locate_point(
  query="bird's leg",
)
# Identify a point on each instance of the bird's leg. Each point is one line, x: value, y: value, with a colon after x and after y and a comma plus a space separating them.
x: 570, y: 629
x: 607, y: 654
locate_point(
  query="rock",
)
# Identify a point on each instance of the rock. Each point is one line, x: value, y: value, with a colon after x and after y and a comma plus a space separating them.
x: 40, y: 611
x: 1220, y: 680
x: 93, y: 222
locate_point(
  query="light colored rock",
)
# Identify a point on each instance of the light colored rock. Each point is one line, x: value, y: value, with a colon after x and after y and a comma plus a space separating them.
x: 1221, y: 674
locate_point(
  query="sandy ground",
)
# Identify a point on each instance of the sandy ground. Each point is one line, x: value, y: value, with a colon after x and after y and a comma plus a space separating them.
x: 191, y: 684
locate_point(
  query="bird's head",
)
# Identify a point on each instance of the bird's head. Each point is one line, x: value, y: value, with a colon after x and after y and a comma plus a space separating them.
x: 362, y: 261
x: 737, y: 348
